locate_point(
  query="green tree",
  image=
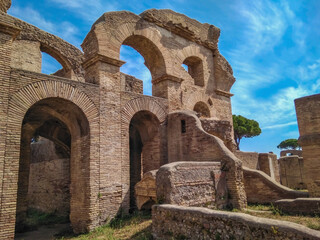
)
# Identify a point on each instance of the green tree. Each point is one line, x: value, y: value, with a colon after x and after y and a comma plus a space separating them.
x: 290, y: 143
x: 244, y: 127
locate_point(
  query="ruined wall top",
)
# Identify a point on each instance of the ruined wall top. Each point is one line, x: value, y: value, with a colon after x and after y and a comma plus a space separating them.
x: 5, y: 5
x: 201, y: 33
x: 69, y: 56
x: 204, y: 34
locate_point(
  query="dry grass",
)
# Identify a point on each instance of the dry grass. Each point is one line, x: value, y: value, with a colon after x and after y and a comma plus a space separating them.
x: 269, y: 211
x: 135, y: 227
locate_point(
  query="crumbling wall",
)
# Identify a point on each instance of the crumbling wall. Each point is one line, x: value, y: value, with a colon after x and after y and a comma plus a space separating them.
x: 5, y: 5
x: 192, y: 184
x: 146, y: 190
x: 292, y: 173
x: 177, y: 222
x: 131, y: 84
x: 221, y: 129
x: 65, y: 53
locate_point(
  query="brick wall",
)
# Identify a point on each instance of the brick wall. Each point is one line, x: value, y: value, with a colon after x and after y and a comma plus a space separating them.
x: 187, y: 141
x: 7, y: 143
x: 249, y: 159
x: 308, y: 114
x: 49, y: 179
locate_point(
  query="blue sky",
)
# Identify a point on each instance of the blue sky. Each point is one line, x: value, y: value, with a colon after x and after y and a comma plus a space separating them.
x: 272, y: 46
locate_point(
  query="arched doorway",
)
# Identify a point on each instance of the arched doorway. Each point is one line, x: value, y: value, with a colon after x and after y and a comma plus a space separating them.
x: 61, y: 132
x: 145, y: 147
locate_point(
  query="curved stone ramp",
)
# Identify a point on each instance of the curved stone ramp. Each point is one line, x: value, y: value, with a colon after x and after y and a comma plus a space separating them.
x: 261, y: 188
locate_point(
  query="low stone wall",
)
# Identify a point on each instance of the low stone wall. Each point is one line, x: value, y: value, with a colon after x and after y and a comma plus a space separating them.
x: 261, y: 188
x: 265, y: 162
x: 192, y: 184
x: 176, y: 222
x: 305, y: 206
x: 291, y: 172
x: 249, y: 159
x: 268, y: 163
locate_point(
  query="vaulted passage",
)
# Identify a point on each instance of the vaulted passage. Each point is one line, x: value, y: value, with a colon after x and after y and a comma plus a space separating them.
x: 53, y: 163
x: 144, y: 148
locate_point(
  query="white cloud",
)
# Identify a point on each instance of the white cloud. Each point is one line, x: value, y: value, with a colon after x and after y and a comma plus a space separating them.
x: 280, y: 125
x: 89, y: 10
x: 65, y: 30
x: 34, y: 17
x: 135, y: 66
x: 265, y: 25
x: 258, y: 63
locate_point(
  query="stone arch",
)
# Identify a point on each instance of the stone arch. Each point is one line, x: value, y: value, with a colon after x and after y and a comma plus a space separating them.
x: 50, y: 91
x: 196, y: 98
x: 69, y: 56
x: 24, y: 98
x: 196, y: 62
x: 202, y: 109
x: 141, y: 105
x: 154, y: 60
x: 114, y: 29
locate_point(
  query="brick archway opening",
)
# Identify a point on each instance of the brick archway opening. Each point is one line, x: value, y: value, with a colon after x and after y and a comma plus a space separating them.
x: 54, y: 163
x: 144, y: 148
x: 153, y: 58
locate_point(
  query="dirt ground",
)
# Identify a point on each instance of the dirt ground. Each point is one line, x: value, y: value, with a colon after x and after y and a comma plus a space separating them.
x: 43, y: 233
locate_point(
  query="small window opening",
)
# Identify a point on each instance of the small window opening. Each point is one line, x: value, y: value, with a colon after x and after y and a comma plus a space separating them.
x: 183, y: 126
x: 194, y: 66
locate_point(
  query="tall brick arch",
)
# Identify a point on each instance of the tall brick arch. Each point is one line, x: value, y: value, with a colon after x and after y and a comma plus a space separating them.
x: 114, y: 29
x: 129, y: 110
x: 83, y: 152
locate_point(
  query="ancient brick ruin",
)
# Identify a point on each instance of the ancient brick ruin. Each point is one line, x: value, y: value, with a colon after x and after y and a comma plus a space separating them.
x: 86, y: 143
x: 100, y: 134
